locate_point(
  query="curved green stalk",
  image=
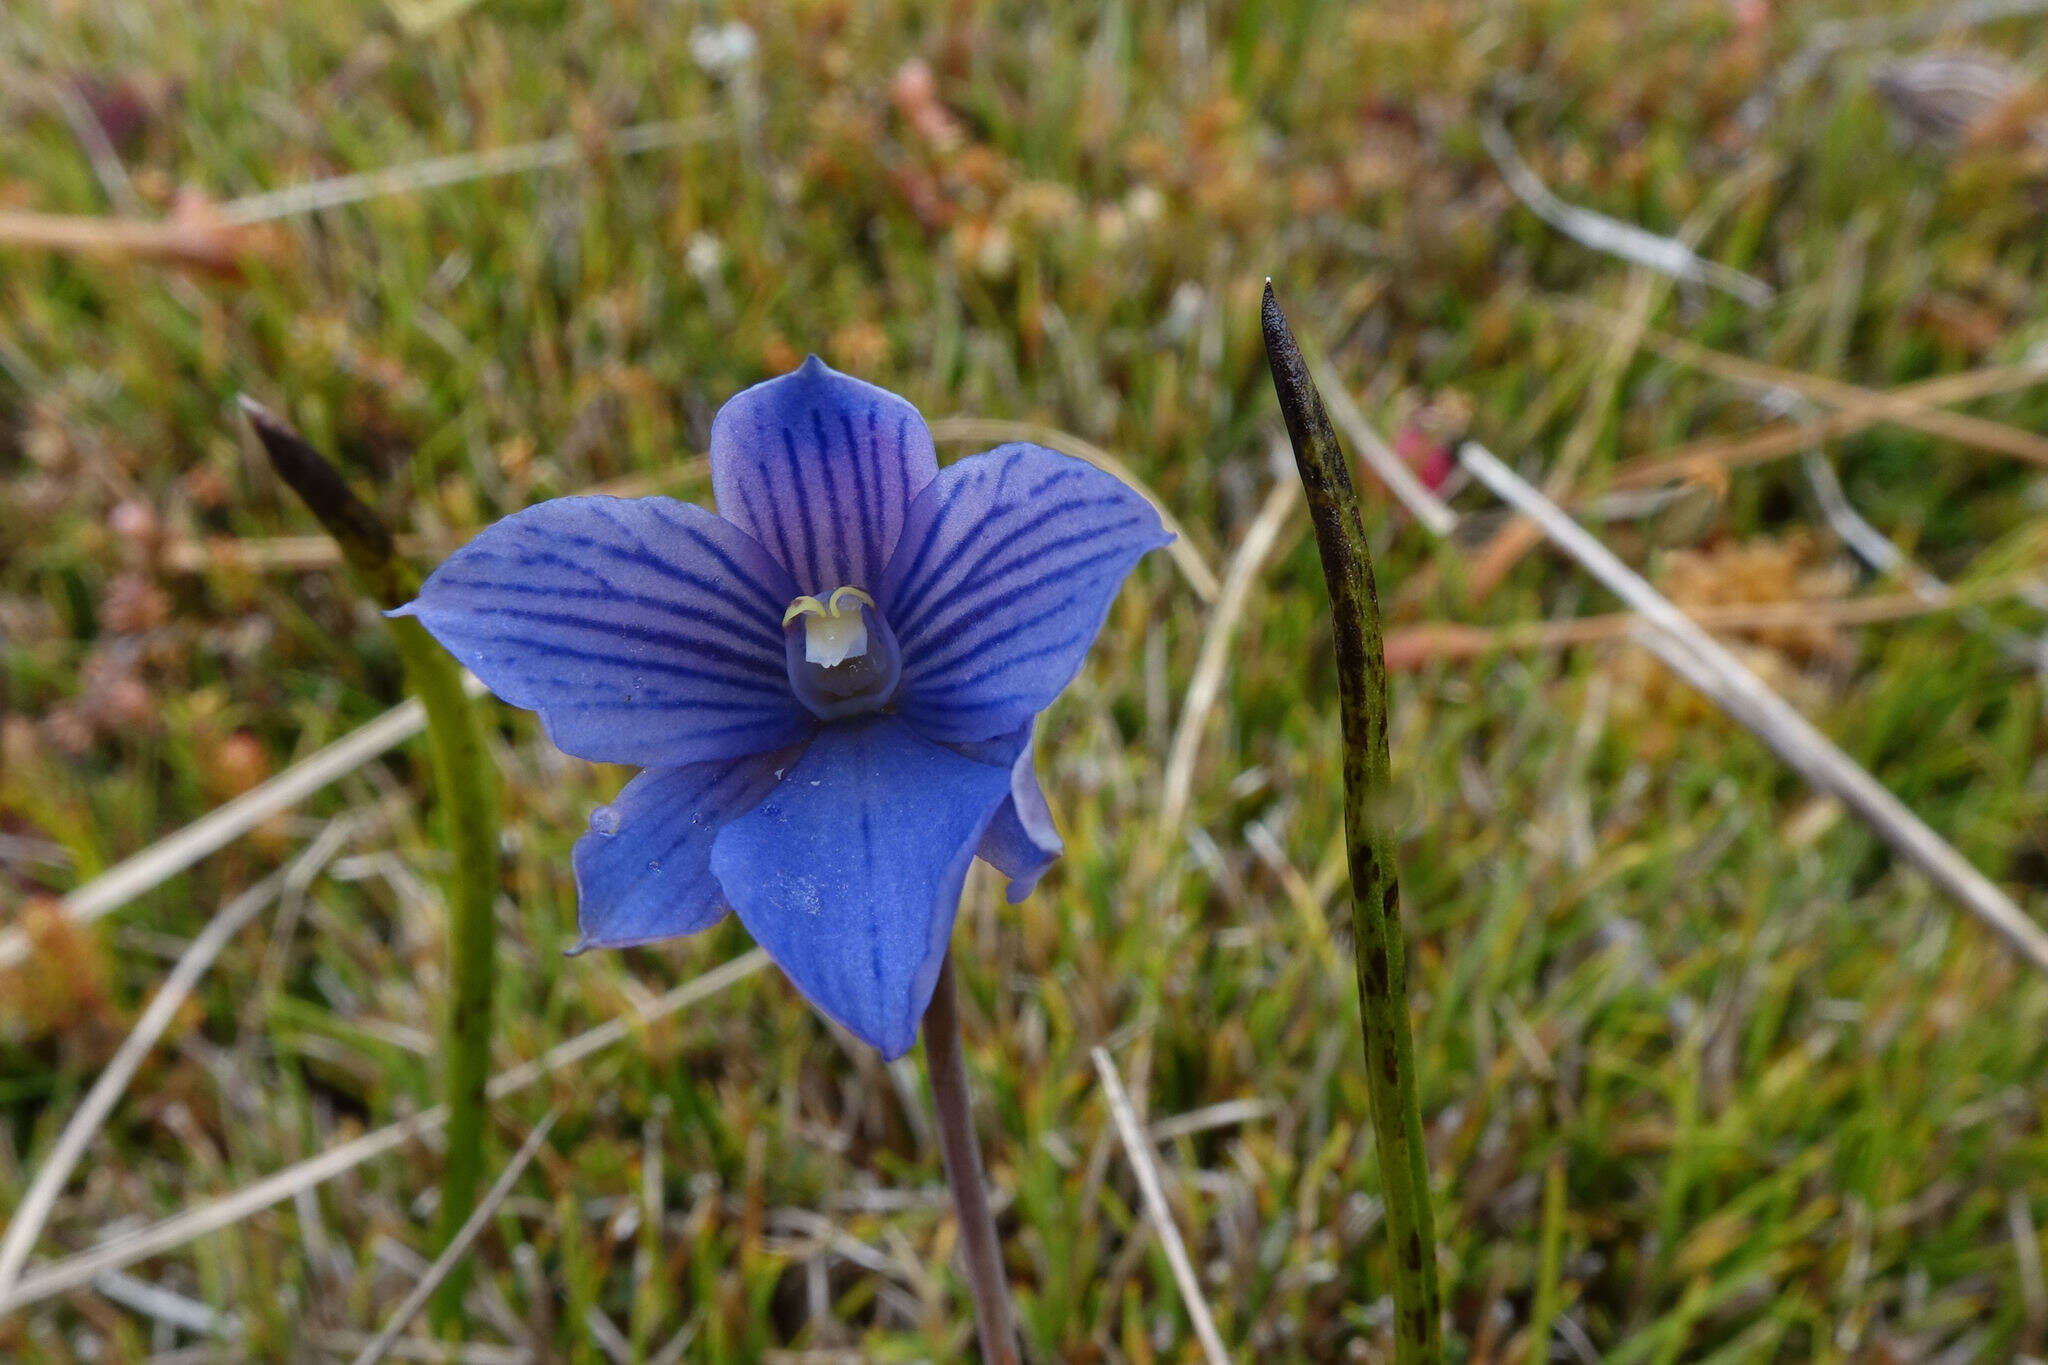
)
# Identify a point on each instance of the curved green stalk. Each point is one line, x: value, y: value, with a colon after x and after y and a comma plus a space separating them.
x: 466, y: 781
x: 466, y: 785
x: 1375, y: 889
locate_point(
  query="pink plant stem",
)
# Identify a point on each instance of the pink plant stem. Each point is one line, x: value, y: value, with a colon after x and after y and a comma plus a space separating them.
x: 962, y: 1154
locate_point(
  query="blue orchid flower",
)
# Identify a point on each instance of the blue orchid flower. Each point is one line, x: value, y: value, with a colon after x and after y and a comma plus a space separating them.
x: 831, y: 685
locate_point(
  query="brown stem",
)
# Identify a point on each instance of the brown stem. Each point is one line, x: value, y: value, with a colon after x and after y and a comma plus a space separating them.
x: 978, y: 1245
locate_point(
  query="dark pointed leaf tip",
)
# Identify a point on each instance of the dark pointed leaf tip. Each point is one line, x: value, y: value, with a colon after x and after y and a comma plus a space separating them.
x: 319, y: 485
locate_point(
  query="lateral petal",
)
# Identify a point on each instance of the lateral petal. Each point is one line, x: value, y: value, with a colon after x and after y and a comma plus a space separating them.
x: 643, y: 631
x: 1021, y: 841
x: 1002, y: 578
x: 643, y: 872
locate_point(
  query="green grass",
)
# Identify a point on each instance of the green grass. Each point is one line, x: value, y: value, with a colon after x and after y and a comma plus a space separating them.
x: 1794, y: 1095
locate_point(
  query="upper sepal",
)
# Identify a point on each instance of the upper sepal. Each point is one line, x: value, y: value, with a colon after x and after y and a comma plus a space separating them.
x: 820, y: 467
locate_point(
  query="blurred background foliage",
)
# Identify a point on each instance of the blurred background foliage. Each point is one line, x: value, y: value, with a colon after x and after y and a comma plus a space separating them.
x: 1789, y: 1100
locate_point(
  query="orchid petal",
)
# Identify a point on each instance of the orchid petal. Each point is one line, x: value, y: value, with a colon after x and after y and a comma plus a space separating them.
x: 643, y: 872
x: 849, y: 872
x: 1021, y: 842
x: 644, y: 631
x: 820, y: 467
x: 1003, y: 576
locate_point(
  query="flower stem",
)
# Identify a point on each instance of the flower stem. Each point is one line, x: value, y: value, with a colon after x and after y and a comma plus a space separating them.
x: 466, y: 785
x: 1375, y: 890
x: 962, y: 1156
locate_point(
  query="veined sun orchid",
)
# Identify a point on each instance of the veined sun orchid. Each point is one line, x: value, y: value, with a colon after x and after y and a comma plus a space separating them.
x: 831, y: 685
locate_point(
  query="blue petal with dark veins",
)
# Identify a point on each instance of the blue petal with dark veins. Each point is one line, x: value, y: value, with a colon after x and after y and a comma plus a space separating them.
x: 644, y: 631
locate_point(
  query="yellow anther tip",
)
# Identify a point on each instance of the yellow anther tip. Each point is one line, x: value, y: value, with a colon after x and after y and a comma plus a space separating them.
x: 835, y: 609
x: 804, y: 606
x: 832, y: 608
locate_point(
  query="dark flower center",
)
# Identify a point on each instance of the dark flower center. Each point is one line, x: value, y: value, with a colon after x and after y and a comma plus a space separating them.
x: 841, y: 654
